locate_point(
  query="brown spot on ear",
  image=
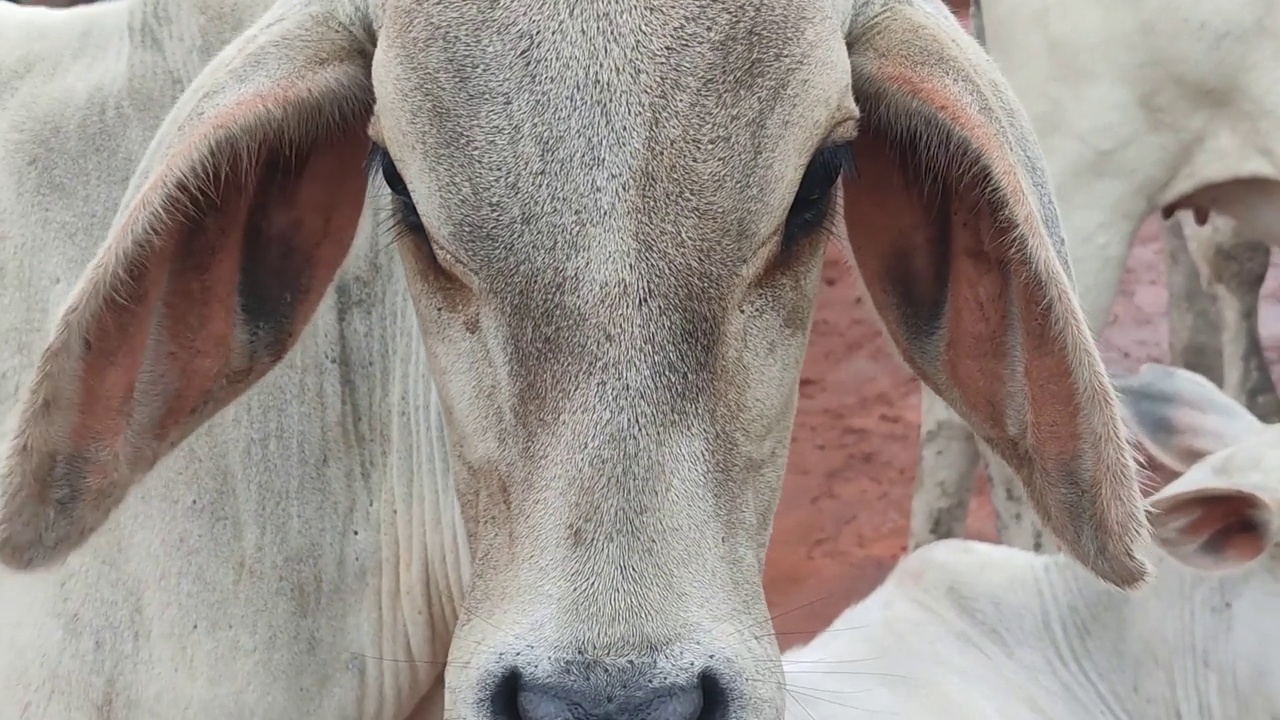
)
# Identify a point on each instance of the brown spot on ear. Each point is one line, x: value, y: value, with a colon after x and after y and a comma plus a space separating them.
x: 933, y: 246
x: 284, y: 237
x: 67, y: 486
x: 921, y: 246
x: 220, y: 297
x: 929, y: 97
x: 979, y: 315
x: 1217, y: 523
x: 923, y: 273
x: 886, y: 220
x: 113, y: 354
x: 273, y: 266
x: 1212, y: 529
x: 1052, y: 400
x: 150, y: 344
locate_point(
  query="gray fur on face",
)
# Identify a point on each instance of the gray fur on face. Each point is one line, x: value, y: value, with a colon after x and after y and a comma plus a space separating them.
x: 569, y: 485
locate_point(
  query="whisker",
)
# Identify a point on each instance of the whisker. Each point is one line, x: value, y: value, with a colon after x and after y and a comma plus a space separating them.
x: 793, y: 692
x: 825, y: 690
x: 828, y: 662
x: 822, y: 632
x: 796, y: 700
x: 796, y: 609
x: 403, y: 661
x: 855, y: 673
x: 748, y: 638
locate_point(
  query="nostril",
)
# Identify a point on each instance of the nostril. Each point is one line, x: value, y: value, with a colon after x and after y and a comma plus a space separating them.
x: 683, y: 702
x: 595, y: 696
x: 505, y: 702
x: 715, y: 700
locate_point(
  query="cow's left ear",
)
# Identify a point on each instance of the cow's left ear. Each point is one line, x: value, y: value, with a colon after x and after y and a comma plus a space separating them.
x: 955, y: 232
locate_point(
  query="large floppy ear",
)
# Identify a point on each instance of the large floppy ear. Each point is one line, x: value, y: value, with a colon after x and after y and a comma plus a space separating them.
x: 955, y: 231
x: 236, y: 221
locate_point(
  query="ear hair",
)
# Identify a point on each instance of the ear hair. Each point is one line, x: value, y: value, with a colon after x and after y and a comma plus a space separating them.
x: 235, y: 224
x: 954, y: 229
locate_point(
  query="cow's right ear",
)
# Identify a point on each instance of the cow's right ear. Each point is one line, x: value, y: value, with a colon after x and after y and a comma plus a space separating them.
x: 1213, y: 526
x: 229, y: 235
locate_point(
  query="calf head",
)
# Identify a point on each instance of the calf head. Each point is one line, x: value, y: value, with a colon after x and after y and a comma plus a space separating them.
x: 1222, y: 512
x: 611, y: 215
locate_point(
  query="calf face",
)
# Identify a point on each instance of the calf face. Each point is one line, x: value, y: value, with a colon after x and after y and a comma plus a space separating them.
x: 611, y: 216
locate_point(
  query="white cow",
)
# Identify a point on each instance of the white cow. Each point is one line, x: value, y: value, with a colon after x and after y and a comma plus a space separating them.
x: 526, y: 410
x: 968, y: 630
x: 1158, y: 106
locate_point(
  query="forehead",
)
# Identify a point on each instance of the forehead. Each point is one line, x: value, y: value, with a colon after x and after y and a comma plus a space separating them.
x: 637, y: 117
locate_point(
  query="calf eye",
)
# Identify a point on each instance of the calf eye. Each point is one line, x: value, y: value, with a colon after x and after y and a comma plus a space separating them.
x: 812, y: 203
x: 391, y: 176
x: 381, y: 162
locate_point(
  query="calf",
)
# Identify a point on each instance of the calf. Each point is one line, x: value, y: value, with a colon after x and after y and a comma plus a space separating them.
x: 964, y: 629
x: 1149, y: 106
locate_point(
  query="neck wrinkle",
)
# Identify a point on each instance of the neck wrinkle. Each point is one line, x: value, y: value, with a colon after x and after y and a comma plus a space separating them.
x: 1163, y: 651
x: 396, y: 423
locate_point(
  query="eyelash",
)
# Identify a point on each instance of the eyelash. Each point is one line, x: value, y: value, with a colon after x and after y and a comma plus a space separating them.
x: 381, y: 165
x: 811, y: 206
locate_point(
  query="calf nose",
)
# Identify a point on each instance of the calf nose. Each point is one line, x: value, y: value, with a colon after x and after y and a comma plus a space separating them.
x: 594, y: 698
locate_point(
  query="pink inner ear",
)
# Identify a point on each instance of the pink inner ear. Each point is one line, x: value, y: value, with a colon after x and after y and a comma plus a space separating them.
x: 1215, y: 531
x: 1239, y: 541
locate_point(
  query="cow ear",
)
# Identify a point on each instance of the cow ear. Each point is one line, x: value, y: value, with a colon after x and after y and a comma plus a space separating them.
x: 1215, y: 516
x: 229, y: 235
x: 1180, y: 416
x: 1213, y: 527
x: 953, y: 227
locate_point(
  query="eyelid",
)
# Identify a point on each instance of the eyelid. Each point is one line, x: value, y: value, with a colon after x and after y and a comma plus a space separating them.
x: 413, y: 225
x: 841, y: 153
x: 375, y: 130
x: 843, y: 133
x: 812, y: 204
x: 447, y: 260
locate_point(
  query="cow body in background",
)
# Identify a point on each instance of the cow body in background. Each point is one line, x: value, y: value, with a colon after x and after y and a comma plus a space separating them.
x: 977, y: 631
x: 1147, y: 107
